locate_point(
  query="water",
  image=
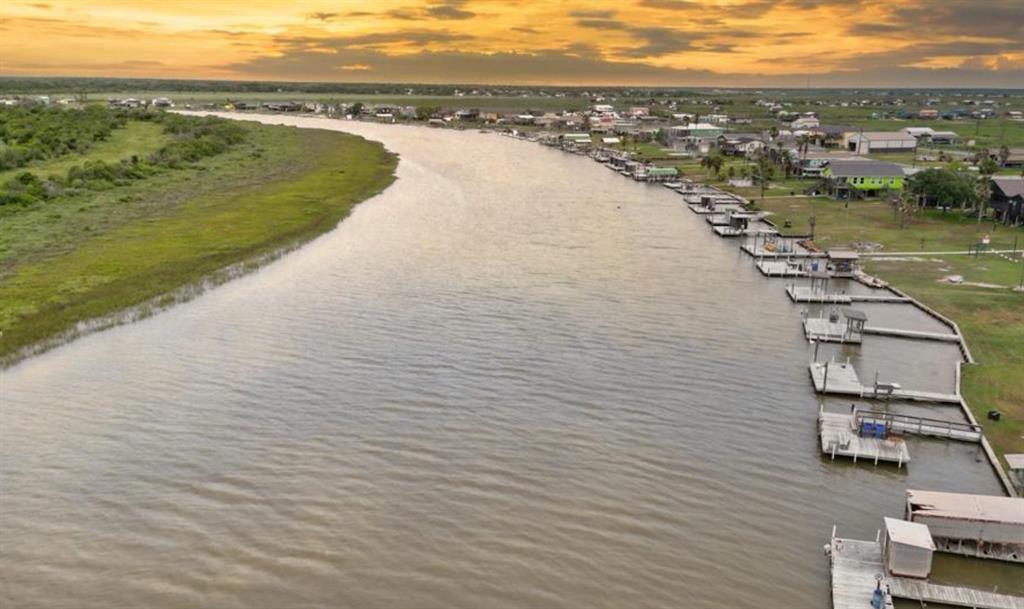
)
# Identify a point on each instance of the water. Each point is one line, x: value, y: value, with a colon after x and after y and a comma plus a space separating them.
x: 514, y: 379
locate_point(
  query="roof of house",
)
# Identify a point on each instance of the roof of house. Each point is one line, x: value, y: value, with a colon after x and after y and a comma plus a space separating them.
x: 981, y: 508
x: 835, y: 129
x: 1011, y: 186
x: 845, y: 168
x: 885, y: 135
x: 909, y: 533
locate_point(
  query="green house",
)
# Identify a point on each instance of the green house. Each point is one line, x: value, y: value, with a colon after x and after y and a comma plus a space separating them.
x: 855, y: 178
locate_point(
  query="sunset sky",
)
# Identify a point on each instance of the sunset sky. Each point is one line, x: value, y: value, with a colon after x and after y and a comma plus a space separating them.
x: 657, y: 42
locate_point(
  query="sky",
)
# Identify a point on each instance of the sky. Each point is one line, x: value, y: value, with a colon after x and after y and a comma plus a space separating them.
x: 738, y: 43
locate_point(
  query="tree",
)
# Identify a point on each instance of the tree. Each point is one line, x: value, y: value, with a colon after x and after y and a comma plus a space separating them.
x: 356, y: 109
x: 763, y: 171
x: 942, y: 187
x: 1004, y: 155
x: 983, y: 190
x: 425, y: 112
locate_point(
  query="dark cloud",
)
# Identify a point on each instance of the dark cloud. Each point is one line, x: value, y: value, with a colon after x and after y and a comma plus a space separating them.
x: 556, y: 66
x: 524, y: 29
x: 416, y: 38
x: 449, y: 11
x: 321, y: 16
x: 747, y: 10
x: 671, y: 5
x: 445, y: 10
x: 585, y: 14
x: 919, y: 53
x: 652, y: 41
x: 980, y: 18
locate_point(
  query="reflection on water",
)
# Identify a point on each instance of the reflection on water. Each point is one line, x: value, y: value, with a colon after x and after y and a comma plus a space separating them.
x: 513, y: 379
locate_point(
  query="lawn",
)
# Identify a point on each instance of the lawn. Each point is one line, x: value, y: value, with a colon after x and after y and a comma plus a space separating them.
x: 991, y: 318
x: 93, y: 254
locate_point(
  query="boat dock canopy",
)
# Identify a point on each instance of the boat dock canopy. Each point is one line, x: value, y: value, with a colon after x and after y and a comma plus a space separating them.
x: 979, y: 508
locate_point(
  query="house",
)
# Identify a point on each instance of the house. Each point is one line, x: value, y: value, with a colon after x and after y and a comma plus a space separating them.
x: 1008, y: 199
x: 163, y: 102
x: 867, y: 142
x: 844, y: 263
x: 812, y: 163
x: 928, y: 113
x: 1015, y: 158
x: 699, y: 137
x: 847, y: 179
x: 944, y: 137
x: 740, y: 144
x: 831, y: 136
x: 920, y: 132
x: 805, y: 122
x: 1015, y: 115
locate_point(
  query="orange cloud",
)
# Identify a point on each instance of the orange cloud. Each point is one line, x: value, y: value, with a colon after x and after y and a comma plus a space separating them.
x: 627, y: 41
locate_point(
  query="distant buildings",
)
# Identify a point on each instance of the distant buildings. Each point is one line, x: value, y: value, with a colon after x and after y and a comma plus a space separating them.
x: 867, y: 142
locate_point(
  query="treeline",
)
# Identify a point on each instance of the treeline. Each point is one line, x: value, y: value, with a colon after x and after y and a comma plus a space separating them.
x: 195, y: 138
x: 33, y: 133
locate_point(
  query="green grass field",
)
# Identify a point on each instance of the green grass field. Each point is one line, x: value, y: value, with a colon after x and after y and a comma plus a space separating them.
x: 89, y: 255
x: 988, y: 311
x: 136, y: 137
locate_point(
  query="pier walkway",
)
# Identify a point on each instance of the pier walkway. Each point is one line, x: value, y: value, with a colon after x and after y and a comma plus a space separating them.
x: 808, y: 295
x: 919, y: 426
x: 857, y: 568
x: 897, y: 333
x: 841, y: 379
x: 780, y: 268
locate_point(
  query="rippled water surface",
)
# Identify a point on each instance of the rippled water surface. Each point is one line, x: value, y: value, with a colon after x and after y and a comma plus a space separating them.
x: 514, y: 379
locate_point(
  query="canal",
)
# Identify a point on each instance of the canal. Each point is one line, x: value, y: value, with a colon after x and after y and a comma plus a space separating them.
x: 513, y: 379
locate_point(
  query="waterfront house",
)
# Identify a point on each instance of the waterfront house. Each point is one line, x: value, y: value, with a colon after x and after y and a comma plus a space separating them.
x: 848, y: 179
x: 867, y: 142
x: 1007, y: 200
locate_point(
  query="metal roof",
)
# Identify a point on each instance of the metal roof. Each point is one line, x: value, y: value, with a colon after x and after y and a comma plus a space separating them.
x: 983, y: 508
x: 1015, y: 460
x: 909, y: 533
x: 844, y: 168
x: 1012, y: 186
x: 855, y: 314
x: 843, y: 255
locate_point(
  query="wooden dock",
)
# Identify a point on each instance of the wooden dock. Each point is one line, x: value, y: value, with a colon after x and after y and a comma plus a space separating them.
x: 897, y: 333
x: 837, y: 378
x: 956, y: 596
x: 823, y: 330
x: 780, y: 268
x: 729, y: 231
x: 920, y: 426
x: 807, y: 295
x: 839, y: 438
x: 857, y: 567
x: 856, y: 570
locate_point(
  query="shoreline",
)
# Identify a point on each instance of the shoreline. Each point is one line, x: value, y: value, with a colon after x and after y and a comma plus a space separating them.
x: 227, y: 260
x: 967, y: 356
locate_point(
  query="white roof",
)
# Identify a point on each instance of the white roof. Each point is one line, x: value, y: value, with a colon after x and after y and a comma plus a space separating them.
x: 1015, y: 460
x: 909, y: 533
x: 610, y: 140
x: 884, y: 135
x: 981, y: 508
